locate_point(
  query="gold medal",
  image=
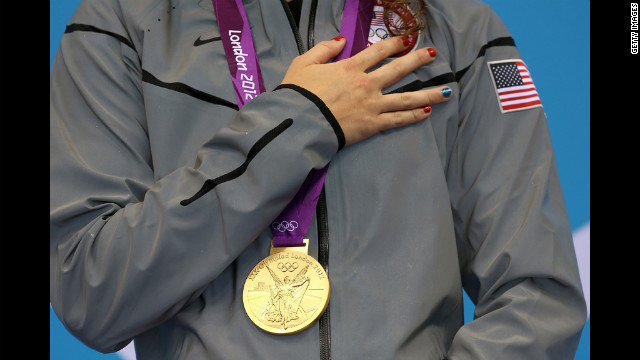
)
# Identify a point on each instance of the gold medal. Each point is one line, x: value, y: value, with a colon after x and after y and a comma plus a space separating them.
x: 287, y: 291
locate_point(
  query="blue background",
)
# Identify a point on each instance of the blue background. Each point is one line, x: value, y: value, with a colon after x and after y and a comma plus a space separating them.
x: 554, y: 40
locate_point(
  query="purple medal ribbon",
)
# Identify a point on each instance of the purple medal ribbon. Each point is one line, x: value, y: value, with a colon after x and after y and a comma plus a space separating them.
x: 290, y: 227
x: 239, y: 49
x: 356, y: 20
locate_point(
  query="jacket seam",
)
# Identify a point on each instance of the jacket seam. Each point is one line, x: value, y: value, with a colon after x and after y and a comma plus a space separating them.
x: 501, y: 41
x: 210, y: 184
x: 188, y: 90
x: 90, y: 28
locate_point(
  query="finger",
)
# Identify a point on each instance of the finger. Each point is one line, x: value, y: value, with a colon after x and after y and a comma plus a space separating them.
x: 397, y: 119
x: 398, y: 68
x: 415, y: 99
x: 375, y: 53
x: 323, y: 51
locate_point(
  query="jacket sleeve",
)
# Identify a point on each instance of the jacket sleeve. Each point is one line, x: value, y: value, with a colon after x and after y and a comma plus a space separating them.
x: 514, y: 240
x: 126, y: 250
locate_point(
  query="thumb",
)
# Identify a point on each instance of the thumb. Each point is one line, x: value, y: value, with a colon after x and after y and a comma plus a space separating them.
x: 324, y: 51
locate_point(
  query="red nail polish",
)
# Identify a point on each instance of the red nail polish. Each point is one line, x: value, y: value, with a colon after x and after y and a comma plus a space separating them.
x: 405, y: 41
x: 432, y: 52
x: 338, y: 38
x: 427, y: 109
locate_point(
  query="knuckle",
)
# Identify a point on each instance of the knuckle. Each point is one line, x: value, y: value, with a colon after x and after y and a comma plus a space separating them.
x: 363, y: 82
x: 371, y: 124
x: 381, y: 49
x: 357, y: 63
x: 369, y: 103
x: 397, y: 67
x: 351, y: 64
x: 397, y: 119
x: 368, y: 120
x: 374, y: 78
x: 405, y: 100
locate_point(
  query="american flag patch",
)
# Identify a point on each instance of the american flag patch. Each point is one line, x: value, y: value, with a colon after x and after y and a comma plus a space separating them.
x: 513, y: 84
x: 378, y: 16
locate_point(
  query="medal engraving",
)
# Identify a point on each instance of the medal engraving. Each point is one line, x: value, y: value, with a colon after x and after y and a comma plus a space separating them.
x: 286, y: 292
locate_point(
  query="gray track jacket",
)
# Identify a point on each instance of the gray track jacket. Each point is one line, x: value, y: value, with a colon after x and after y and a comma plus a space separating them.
x: 143, y: 114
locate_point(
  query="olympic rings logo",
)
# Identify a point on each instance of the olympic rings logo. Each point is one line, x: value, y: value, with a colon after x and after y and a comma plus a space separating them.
x: 287, y: 266
x: 378, y: 34
x: 283, y: 226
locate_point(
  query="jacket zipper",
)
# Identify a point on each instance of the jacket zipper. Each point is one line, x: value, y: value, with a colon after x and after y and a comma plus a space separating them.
x: 312, y: 24
x: 321, y: 207
x: 294, y: 27
x: 323, y: 258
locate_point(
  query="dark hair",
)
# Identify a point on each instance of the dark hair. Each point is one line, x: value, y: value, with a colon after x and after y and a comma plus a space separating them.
x: 409, y: 25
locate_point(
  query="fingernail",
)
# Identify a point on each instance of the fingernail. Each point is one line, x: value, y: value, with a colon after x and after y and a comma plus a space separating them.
x: 338, y: 38
x: 427, y: 109
x: 446, y: 92
x: 405, y: 41
x: 432, y: 51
